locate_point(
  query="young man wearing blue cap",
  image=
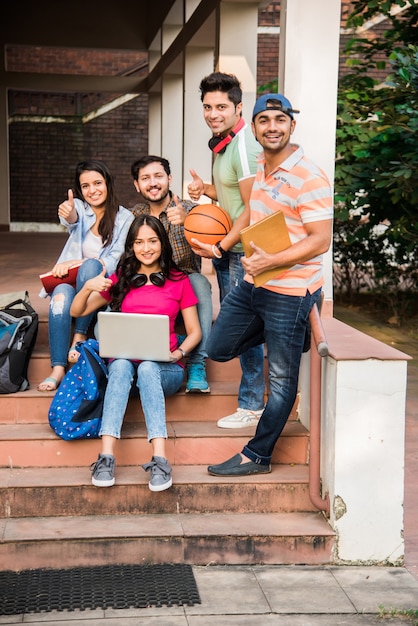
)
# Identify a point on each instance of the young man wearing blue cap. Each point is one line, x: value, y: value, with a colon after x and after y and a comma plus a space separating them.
x: 278, y: 311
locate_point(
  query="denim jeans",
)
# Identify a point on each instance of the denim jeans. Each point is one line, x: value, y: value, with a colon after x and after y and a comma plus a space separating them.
x: 203, y: 290
x: 59, y: 318
x: 230, y: 273
x: 249, y: 316
x: 155, y: 381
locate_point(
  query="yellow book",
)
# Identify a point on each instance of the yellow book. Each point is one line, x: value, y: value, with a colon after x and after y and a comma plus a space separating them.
x: 271, y: 235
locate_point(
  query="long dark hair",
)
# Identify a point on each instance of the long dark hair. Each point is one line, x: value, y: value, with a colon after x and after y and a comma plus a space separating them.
x: 129, y: 265
x: 107, y: 223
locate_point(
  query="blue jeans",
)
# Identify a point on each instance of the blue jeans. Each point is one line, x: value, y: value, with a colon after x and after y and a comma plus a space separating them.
x: 203, y: 290
x: 59, y: 318
x: 249, y: 316
x: 230, y: 273
x: 155, y: 381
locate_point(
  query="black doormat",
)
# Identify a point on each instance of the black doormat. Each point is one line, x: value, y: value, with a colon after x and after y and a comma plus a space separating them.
x: 107, y: 586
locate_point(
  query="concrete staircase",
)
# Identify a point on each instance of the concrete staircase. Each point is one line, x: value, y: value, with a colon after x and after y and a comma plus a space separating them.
x: 52, y: 516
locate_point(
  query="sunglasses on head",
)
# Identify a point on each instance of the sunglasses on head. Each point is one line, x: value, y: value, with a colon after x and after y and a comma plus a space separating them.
x: 139, y: 280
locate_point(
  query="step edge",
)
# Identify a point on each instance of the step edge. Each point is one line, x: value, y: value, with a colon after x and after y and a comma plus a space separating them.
x: 128, y: 526
x: 23, y: 478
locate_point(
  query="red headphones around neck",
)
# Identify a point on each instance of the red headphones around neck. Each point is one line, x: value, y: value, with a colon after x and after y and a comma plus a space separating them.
x: 218, y: 144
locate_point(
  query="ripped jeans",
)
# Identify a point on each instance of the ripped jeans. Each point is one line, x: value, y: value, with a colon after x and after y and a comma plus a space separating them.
x: 59, y: 318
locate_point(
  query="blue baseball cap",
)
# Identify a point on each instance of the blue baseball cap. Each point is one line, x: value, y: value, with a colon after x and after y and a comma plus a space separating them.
x: 275, y: 101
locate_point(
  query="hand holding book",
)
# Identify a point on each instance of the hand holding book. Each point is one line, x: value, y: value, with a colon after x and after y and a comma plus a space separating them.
x: 271, y: 235
x: 49, y: 281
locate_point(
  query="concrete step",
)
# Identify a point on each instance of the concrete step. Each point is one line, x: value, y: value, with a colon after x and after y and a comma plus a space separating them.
x: 32, y: 406
x: 189, y: 443
x: 69, y: 492
x: 40, y: 367
x: 196, y: 538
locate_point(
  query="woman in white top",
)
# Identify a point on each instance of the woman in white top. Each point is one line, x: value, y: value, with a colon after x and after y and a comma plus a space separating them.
x: 97, y: 228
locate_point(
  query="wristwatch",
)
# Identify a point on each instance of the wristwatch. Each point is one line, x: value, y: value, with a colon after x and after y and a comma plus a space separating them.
x: 182, y: 352
x: 221, y: 250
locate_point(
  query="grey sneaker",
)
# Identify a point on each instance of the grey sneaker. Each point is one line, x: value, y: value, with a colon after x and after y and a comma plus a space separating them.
x: 103, y: 471
x: 160, y: 473
x: 240, y: 419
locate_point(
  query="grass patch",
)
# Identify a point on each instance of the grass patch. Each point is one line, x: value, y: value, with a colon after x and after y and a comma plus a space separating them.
x: 407, y: 615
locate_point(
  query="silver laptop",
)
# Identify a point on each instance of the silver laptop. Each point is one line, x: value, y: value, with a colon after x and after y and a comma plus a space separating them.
x: 133, y: 336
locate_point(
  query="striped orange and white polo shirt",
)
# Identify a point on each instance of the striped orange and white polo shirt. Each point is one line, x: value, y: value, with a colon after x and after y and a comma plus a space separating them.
x: 302, y: 191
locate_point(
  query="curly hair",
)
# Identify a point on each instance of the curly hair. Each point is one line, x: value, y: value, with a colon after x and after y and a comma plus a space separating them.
x: 129, y: 265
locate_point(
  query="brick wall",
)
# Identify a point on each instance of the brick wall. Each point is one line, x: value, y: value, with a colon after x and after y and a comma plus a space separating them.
x: 43, y: 157
x: 48, y: 138
x: 268, y: 59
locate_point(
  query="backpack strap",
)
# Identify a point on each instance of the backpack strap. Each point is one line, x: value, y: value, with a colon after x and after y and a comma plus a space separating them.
x: 92, y: 347
x: 19, y: 303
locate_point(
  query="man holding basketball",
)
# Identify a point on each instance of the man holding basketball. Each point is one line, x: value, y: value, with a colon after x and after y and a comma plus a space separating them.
x: 277, y: 312
x: 234, y: 169
x: 152, y: 179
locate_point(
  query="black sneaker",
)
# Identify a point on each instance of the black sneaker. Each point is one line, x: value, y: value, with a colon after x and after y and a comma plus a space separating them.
x: 103, y: 471
x: 160, y: 473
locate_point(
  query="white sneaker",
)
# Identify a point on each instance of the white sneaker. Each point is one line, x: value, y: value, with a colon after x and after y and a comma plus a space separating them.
x: 240, y: 419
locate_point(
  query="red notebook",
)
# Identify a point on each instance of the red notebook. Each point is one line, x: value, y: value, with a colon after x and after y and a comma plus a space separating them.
x: 50, y: 282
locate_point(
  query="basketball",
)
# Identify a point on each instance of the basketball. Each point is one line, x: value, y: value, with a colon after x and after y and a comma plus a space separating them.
x: 208, y: 223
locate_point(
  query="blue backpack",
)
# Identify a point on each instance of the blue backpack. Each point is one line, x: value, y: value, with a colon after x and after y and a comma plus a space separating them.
x: 76, y: 409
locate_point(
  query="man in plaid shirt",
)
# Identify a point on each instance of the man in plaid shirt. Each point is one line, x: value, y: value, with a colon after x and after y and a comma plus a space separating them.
x: 152, y: 179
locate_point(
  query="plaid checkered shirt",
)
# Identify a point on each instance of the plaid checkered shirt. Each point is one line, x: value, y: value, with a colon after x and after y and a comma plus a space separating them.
x: 183, y: 255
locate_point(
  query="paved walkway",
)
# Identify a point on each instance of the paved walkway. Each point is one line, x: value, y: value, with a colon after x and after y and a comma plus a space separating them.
x: 285, y: 596
x: 241, y: 596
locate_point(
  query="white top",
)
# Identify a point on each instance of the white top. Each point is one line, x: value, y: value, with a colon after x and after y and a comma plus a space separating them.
x: 92, y: 246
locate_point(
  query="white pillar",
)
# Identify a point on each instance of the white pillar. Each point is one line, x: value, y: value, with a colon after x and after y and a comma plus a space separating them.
x: 363, y: 445
x: 238, y: 48
x: 308, y: 76
x: 154, y: 124
x: 172, y: 127
x: 368, y: 423
x: 197, y: 156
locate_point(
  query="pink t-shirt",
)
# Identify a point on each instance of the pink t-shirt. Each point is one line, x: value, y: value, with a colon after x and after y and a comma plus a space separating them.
x: 170, y: 299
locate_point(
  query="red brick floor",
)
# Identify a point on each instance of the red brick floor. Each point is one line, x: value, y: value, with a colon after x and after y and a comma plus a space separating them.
x: 24, y: 256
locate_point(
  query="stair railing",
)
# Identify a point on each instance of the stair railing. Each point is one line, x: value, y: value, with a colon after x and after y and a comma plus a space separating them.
x: 319, y: 349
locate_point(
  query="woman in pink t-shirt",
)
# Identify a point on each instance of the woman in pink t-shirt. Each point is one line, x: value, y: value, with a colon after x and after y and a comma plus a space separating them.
x: 146, y: 281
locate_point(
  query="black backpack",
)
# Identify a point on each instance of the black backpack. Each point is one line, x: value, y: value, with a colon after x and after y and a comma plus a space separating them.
x: 18, y: 332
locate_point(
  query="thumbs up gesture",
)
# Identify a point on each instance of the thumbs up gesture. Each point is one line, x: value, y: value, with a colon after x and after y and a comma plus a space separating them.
x: 66, y: 209
x: 98, y: 283
x: 196, y: 188
x: 176, y: 214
